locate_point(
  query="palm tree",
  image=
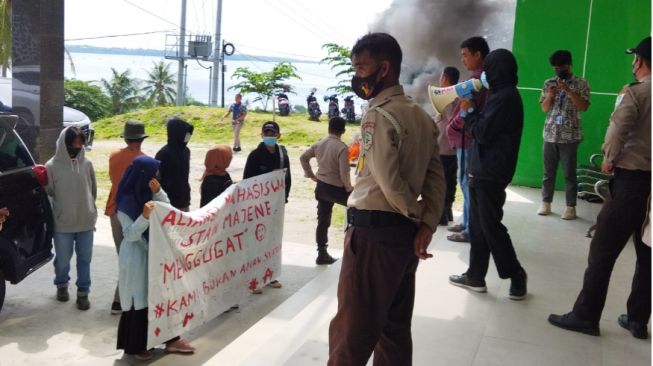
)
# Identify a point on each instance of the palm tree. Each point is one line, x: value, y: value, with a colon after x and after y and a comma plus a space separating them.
x: 159, y: 87
x: 123, y: 91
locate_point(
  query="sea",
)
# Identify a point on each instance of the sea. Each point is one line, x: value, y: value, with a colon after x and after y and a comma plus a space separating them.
x: 95, y: 67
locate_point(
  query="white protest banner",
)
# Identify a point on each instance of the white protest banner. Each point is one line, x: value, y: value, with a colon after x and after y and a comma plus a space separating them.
x: 205, y: 261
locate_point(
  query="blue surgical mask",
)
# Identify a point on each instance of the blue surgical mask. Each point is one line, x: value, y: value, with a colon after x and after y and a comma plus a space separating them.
x: 486, y: 85
x: 270, y: 140
x: 187, y: 137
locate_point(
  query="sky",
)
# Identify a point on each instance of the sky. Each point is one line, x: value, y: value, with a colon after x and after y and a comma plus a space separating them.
x: 292, y: 28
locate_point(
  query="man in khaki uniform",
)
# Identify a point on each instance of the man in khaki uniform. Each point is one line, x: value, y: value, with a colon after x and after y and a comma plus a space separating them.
x: 627, y: 150
x: 389, y: 229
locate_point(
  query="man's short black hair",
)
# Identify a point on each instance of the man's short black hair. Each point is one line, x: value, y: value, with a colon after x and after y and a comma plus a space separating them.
x: 476, y: 44
x: 560, y: 58
x: 452, y: 74
x: 337, y: 125
x: 381, y: 47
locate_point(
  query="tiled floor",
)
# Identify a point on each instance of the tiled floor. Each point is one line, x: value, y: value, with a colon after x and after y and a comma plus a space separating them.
x: 454, y: 327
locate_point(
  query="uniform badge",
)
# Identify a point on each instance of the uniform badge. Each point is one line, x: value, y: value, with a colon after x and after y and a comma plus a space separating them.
x: 367, y: 133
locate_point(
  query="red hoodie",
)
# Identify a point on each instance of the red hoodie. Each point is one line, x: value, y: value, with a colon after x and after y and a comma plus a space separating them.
x: 456, y: 123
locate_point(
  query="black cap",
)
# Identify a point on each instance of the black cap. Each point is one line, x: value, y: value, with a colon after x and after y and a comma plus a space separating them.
x: 271, y: 126
x: 643, y: 49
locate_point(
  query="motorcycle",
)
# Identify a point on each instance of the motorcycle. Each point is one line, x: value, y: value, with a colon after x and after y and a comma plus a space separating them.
x: 283, y: 104
x: 334, y: 108
x: 313, y: 106
x: 349, y: 111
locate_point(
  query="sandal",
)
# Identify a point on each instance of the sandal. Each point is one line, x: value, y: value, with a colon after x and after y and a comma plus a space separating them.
x: 459, y: 237
x: 458, y: 228
x: 144, y: 356
x: 180, y: 346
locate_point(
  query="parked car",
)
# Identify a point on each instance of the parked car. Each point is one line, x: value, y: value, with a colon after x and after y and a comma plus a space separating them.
x: 26, y: 235
x: 25, y: 93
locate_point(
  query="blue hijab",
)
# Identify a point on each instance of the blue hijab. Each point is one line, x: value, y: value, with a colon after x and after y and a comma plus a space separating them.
x: 134, y: 190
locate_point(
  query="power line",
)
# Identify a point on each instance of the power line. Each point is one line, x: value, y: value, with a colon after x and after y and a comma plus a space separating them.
x: 325, y: 27
x: 310, y: 58
x: 119, y: 35
x: 301, y: 23
x: 151, y: 13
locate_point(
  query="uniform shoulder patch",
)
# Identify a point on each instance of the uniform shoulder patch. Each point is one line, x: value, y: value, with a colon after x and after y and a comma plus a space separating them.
x: 367, y: 131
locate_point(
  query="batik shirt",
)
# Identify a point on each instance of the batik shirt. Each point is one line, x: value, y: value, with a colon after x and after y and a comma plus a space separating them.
x: 563, y: 121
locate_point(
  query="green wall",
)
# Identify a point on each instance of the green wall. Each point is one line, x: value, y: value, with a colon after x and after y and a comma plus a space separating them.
x: 544, y: 26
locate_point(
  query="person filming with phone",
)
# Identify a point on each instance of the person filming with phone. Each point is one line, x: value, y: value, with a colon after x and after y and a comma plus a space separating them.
x: 563, y: 99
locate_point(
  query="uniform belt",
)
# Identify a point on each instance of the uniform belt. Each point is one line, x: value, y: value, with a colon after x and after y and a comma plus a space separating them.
x: 369, y: 218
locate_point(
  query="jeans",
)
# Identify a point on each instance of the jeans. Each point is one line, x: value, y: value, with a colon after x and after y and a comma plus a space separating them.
x: 566, y: 155
x: 82, y: 243
x: 463, y: 166
x: 116, y: 231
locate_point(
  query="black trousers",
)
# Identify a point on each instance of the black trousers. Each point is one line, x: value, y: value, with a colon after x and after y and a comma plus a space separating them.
x: 619, y: 219
x: 487, y: 234
x: 326, y: 196
x: 450, y: 167
x: 376, y: 294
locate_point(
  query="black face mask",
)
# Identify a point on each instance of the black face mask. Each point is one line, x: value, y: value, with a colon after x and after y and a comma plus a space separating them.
x: 563, y: 74
x: 73, y: 151
x: 367, y: 88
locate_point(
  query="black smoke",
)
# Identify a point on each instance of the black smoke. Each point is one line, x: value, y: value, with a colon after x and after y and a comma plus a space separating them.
x: 430, y: 33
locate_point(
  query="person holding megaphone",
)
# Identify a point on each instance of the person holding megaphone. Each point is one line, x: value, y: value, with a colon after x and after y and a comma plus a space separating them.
x: 473, y: 52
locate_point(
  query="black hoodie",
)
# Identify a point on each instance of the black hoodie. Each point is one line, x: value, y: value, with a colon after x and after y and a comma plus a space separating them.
x: 175, y: 164
x: 498, y: 128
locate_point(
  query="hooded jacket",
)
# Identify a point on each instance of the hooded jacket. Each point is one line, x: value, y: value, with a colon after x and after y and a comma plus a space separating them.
x: 261, y: 161
x: 72, y: 189
x: 497, y: 130
x: 175, y: 164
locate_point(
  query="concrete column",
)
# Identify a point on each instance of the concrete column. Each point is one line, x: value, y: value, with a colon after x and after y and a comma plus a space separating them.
x: 37, y: 70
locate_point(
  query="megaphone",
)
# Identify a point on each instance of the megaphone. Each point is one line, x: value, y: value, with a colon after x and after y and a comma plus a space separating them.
x: 441, y: 97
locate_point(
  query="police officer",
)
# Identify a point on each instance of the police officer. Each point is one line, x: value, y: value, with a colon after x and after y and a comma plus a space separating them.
x: 627, y: 154
x: 389, y: 229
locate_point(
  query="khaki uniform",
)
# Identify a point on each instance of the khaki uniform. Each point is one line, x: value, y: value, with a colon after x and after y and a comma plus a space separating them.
x: 376, y: 290
x: 394, y: 170
x: 628, y: 140
x: 628, y: 147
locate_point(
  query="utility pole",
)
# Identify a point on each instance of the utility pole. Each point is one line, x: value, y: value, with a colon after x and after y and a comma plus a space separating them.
x: 217, y: 54
x: 182, y: 54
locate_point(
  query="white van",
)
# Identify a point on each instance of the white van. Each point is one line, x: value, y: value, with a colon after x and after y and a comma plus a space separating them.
x: 71, y: 116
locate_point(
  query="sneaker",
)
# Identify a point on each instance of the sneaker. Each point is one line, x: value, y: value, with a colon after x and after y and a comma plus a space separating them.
x: 545, y: 209
x: 115, y: 308
x: 569, y: 214
x: 275, y: 284
x: 637, y: 329
x: 236, y: 149
x: 465, y: 282
x: 323, y: 257
x: 83, y: 303
x: 572, y: 322
x: 62, y: 294
x: 518, y: 286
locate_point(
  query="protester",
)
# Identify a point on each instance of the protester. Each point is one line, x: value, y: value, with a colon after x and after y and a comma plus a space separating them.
x: 239, y: 112
x: 137, y: 190
x: 496, y: 133
x: 563, y: 99
x: 119, y: 160
x: 175, y: 163
x: 472, y: 51
x: 333, y: 181
x: 267, y: 157
x: 627, y: 149
x: 73, y: 190
x: 448, y: 157
x: 389, y: 229
x: 215, y: 178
